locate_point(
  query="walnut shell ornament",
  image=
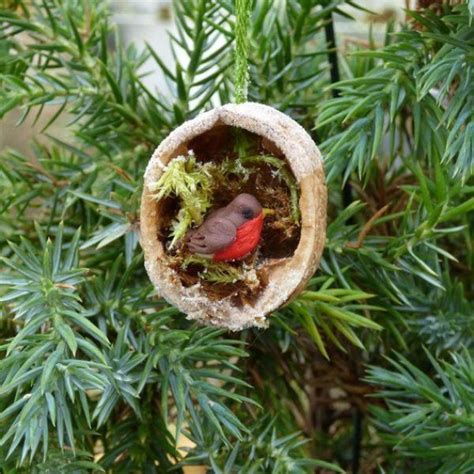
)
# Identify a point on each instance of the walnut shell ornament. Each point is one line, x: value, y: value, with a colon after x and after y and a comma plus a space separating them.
x: 286, y: 258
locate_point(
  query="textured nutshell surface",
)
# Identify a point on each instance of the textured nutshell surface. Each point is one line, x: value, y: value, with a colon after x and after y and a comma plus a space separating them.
x: 286, y: 277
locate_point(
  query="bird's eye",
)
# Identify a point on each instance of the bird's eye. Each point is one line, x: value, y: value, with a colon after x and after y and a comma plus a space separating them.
x: 247, y: 213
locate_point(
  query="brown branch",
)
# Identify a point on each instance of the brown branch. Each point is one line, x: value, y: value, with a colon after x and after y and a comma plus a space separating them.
x: 366, y: 229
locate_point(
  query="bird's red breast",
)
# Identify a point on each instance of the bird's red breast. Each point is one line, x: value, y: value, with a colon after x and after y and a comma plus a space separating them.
x: 246, y: 241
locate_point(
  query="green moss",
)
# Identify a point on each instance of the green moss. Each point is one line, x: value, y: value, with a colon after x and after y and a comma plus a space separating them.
x: 215, y: 272
x: 286, y: 176
x: 192, y: 183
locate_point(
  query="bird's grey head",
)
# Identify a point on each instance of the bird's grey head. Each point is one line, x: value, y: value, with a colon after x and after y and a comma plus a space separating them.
x: 245, y: 207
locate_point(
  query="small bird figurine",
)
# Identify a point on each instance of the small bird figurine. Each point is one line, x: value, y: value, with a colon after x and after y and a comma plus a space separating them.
x: 230, y: 233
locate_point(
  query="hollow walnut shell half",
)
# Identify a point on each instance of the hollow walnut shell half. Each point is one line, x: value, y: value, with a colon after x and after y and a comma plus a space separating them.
x: 286, y: 277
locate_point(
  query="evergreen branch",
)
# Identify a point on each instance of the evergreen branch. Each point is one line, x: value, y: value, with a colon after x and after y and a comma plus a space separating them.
x: 432, y: 417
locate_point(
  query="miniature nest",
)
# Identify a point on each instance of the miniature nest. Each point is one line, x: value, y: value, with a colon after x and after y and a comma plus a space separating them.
x: 289, y: 251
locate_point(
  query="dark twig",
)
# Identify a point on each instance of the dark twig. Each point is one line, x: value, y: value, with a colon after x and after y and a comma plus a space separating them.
x: 346, y: 199
x: 335, y: 77
x: 356, y: 439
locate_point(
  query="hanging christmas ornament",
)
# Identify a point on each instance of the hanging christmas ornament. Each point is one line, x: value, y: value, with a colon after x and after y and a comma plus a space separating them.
x: 233, y: 215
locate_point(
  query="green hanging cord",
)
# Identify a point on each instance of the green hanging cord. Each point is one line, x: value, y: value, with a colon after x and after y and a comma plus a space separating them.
x: 242, y: 13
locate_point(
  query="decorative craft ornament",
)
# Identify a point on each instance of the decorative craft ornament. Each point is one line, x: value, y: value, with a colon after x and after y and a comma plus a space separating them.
x: 233, y: 232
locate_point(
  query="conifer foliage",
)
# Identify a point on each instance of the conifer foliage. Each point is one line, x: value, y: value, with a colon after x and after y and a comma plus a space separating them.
x: 370, y: 368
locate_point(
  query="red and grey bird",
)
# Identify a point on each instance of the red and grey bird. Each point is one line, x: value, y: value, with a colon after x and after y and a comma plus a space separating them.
x: 231, y: 232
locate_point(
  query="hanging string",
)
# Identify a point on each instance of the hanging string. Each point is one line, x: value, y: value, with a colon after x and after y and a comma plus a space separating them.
x: 242, y: 13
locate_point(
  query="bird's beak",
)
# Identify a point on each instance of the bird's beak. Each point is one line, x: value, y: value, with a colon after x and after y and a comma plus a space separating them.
x: 267, y: 212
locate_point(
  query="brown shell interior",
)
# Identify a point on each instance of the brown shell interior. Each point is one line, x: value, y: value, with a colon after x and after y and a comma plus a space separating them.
x: 280, y: 236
